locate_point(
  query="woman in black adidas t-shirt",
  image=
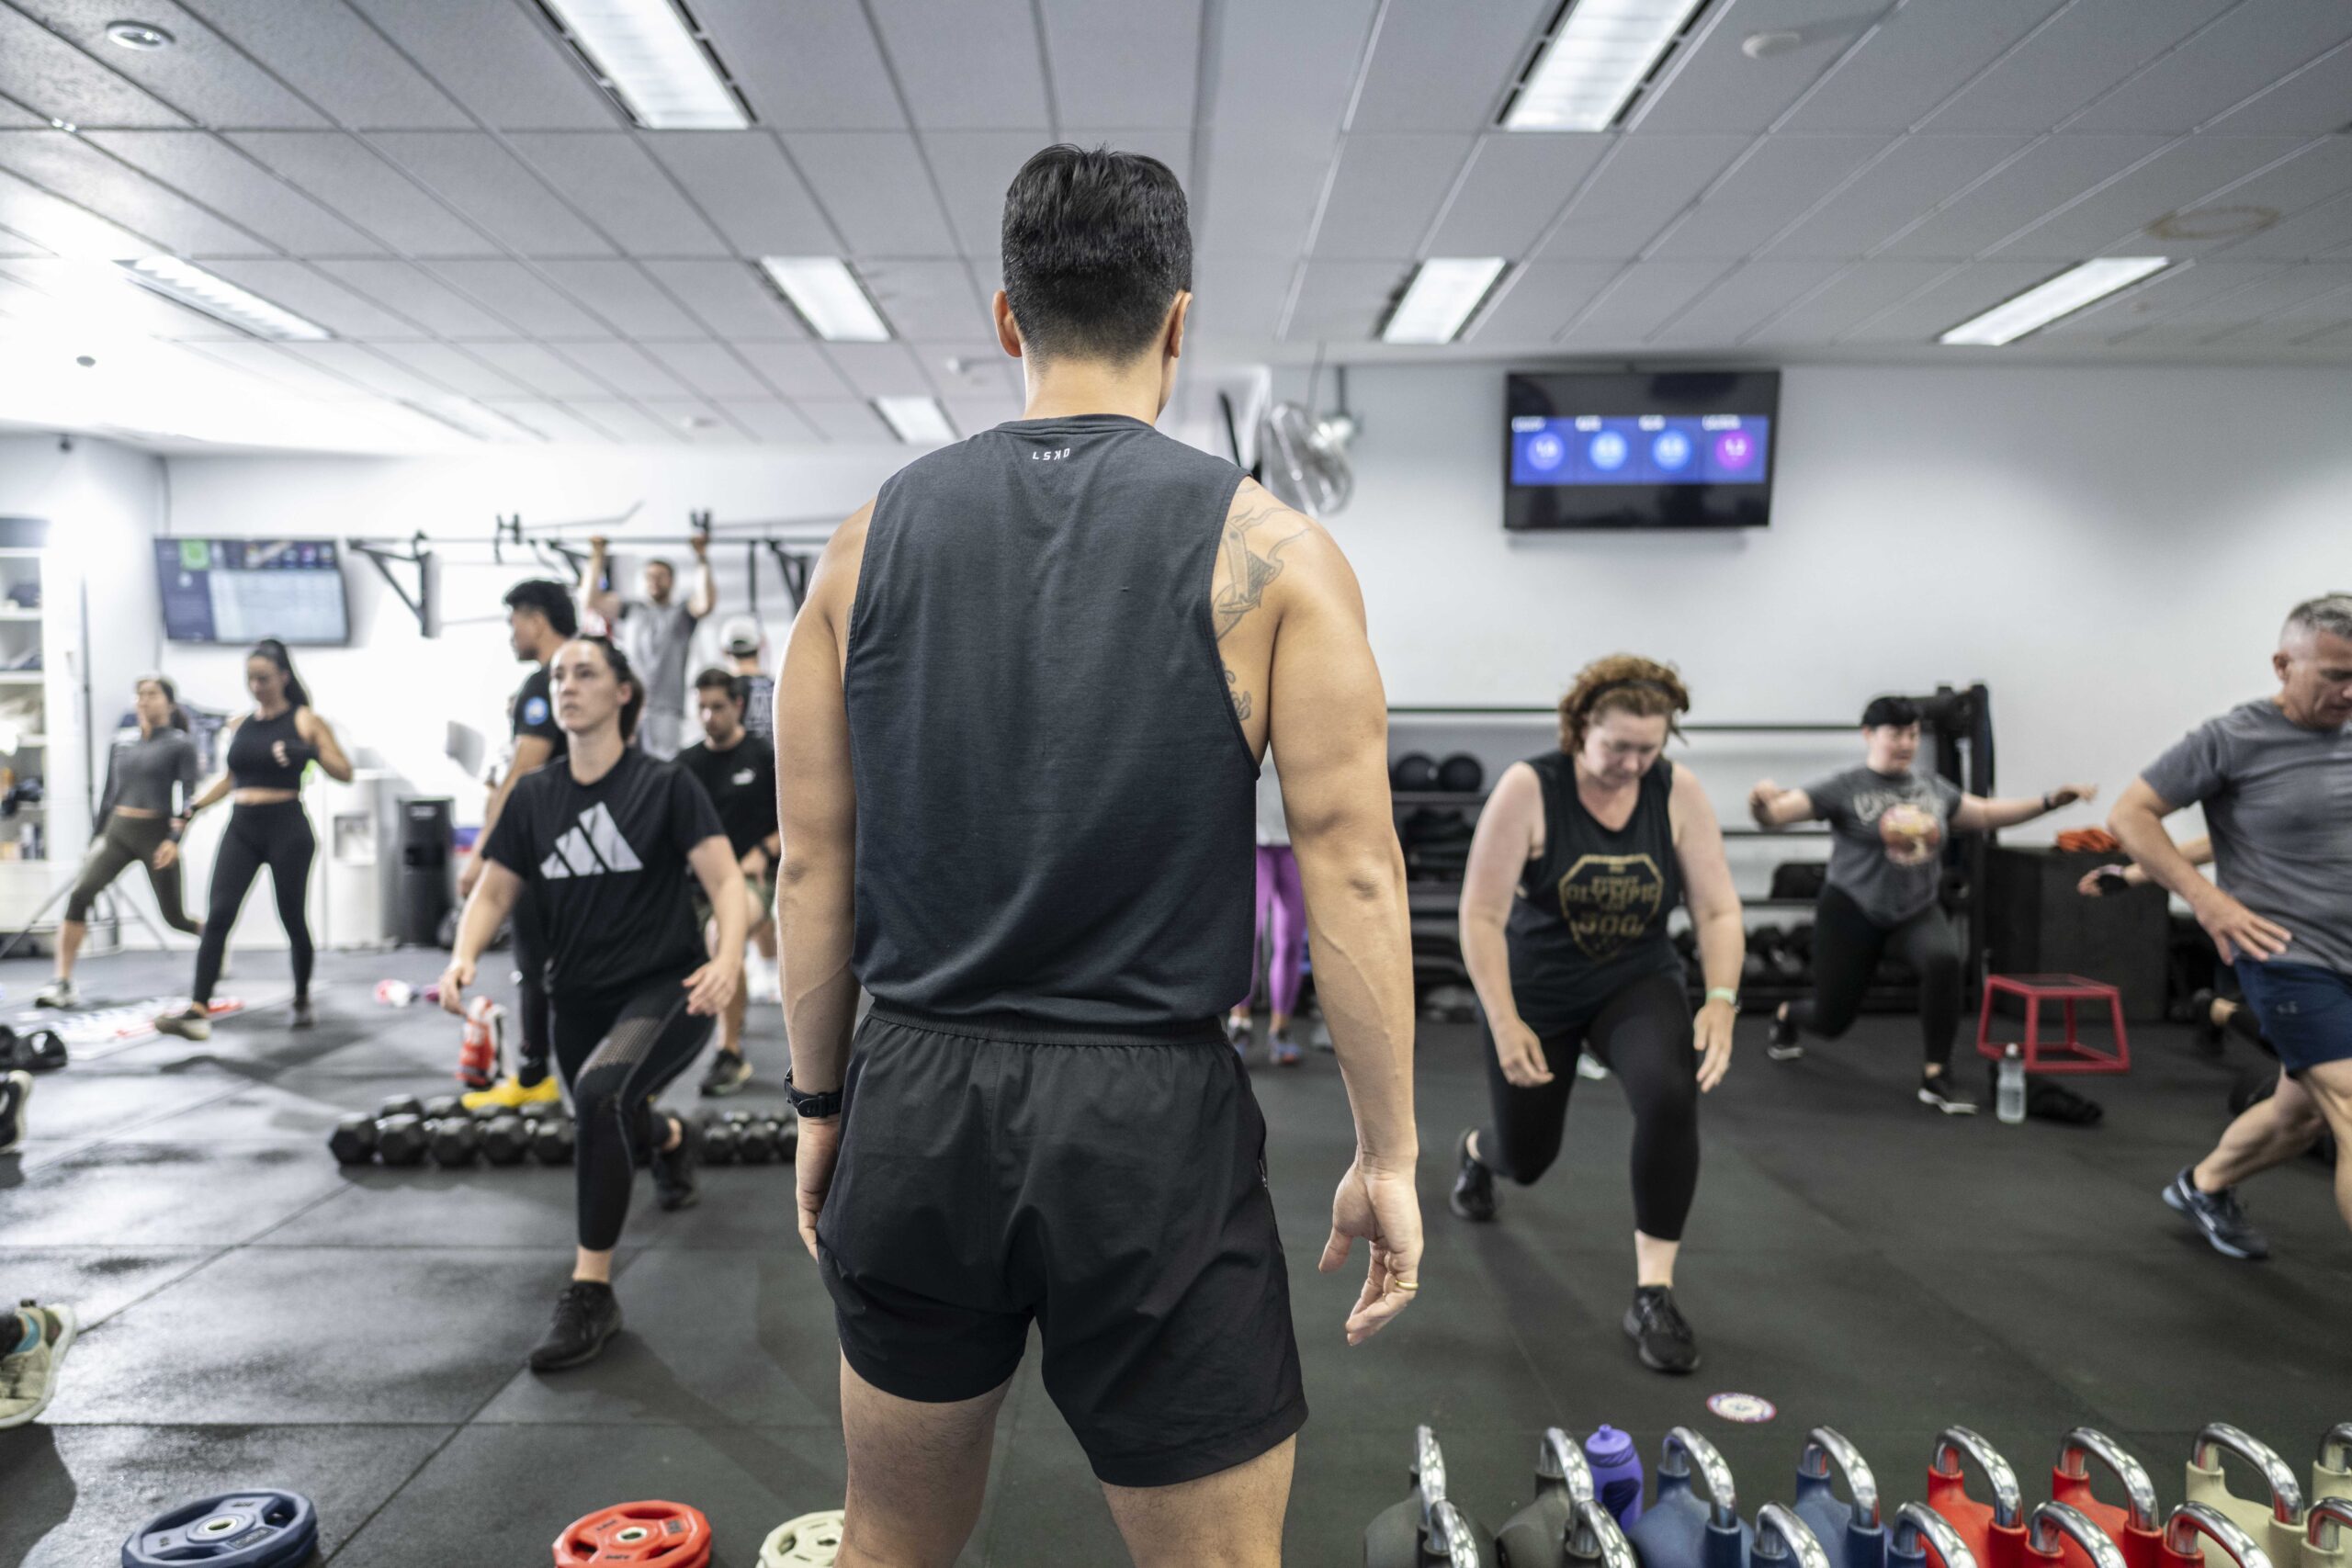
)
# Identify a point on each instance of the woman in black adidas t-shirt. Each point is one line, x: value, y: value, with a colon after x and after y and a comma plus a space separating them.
x: 605, y: 840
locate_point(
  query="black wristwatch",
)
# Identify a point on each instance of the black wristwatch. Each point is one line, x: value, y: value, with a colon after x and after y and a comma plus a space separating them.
x: 812, y: 1107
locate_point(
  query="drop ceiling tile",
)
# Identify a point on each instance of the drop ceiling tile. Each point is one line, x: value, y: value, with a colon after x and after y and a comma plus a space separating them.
x: 333, y: 58
x: 812, y: 66
x: 1263, y: 190
x: 59, y: 225
x: 625, y: 368
x: 271, y: 362
x: 1284, y: 75
x: 970, y: 66
x: 1645, y: 181
x: 769, y: 419
x: 1173, y: 148
x: 521, y: 297
x: 796, y: 369
x: 1387, y: 188
x: 925, y: 298
x: 1441, y: 67
x: 539, y: 368
x: 1128, y: 63
x: 2086, y: 49
x: 1852, y: 296
x: 2311, y: 100
x: 874, y: 187
x: 1640, y: 301
x: 553, y: 420
x: 358, y: 363
x: 502, y: 63
x: 367, y: 191
x: 51, y: 77
x: 2315, y: 232
x: 881, y: 369
x: 2275, y: 291
x: 2320, y: 173
x: 1344, y: 301
x: 71, y: 167
x: 1966, y: 292
x: 2047, y: 175
x: 2185, y: 176
x: 1712, y: 85
x: 1515, y: 186
x: 2147, y: 304
x: 491, y: 187
x: 972, y: 415
x: 1742, y: 302
x: 451, y: 366
x: 610, y: 178
x: 975, y: 168
x: 200, y: 74
x: 621, y: 293
x: 306, y: 292
x: 628, y: 423
x: 708, y: 369
x: 416, y: 294
x: 972, y: 372
x: 747, y: 187
x: 1918, y: 173
x: 1753, y: 202
x: 1537, y: 300
x: 729, y: 297
x: 14, y: 117
x: 699, y: 423
x: 1239, y: 299
x: 1912, y: 60
x: 852, y: 424
x: 2245, y: 50
x: 210, y: 171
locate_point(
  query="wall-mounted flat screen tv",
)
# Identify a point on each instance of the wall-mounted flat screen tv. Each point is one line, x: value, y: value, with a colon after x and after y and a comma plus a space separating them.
x: 238, y: 591
x: 1663, y: 450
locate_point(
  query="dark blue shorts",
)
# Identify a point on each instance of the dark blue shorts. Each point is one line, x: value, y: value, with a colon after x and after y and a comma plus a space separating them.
x: 2306, y: 1012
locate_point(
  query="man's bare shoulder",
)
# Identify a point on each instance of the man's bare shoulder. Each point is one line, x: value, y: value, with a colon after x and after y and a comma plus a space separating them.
x: 1270, y: 552
x: 833, y: 585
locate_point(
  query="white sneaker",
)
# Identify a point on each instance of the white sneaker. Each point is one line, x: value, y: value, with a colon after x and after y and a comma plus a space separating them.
x: 28, y: 1378
x: 761, y: 984
x: 16, y: 1089
x: 1590, y: 1066
x: 58, y: 993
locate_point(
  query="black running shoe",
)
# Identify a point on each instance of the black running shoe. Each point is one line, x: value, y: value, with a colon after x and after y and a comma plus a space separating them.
x: 16, y: 1089
x: 673, y: 1169
x: 2206, y: 1033
x: 303, y: 1018
x: 586, y: 1315
x: 1784, y: 1045
x: 1474, y: 1188
x: 2219, y: 1215
x: 1658, y: 1332
x: 729, y: 1073
x: 1942, y: 1092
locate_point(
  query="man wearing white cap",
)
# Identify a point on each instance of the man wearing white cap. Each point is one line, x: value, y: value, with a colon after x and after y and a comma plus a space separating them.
x: 740, y: 637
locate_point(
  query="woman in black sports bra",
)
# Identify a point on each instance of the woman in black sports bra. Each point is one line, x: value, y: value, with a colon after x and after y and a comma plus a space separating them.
x: 268, y: 749
x: 1579, y: 857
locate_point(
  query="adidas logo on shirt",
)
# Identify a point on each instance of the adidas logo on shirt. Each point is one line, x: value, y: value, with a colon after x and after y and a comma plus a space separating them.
x: 591, y: 849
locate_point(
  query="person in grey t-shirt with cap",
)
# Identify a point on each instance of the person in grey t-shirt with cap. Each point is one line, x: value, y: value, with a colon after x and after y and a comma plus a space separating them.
x: 2275, y: 777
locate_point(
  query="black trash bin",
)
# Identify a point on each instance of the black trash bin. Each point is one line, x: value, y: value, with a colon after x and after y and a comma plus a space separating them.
x: 426, y: 895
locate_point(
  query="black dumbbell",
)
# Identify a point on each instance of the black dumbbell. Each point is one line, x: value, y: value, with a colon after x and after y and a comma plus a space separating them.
x: 443, y: 1108
x: 787, y: 1136
x: 399, y: 1140
x: 454, y: 1140
x: 551, y: 1140
x: 42, y: 1051
x: 353, y: 1141
x: 755, y: 1143
x: 718, y: 1142
x: 506, y: 1140
x: 540, y: 1109
x: 400, y: 1105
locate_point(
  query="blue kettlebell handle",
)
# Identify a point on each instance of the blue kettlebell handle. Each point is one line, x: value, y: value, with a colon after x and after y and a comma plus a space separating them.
x: 1823, y: 1448
x: 1780, y: 1536
x: 1685, y: 1453
x: 1915, y: 1523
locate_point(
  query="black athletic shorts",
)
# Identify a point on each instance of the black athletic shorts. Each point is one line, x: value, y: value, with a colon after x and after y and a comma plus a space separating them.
x: 1110, y: 1186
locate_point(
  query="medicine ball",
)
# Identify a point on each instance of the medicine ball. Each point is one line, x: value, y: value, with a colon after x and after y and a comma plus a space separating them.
x: 1461, y: 774
x: 1413, y: 773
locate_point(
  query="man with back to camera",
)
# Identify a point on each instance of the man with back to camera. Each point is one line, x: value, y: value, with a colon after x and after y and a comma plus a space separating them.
x: 741, y: 637
x: 1027, y: 696
x: 739, y: 775
x: 655, y: 635
x: 539, y: 620
x: 2275, y: 777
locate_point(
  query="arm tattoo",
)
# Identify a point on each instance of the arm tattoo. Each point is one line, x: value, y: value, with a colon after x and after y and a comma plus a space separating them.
x: 1254, y: 541
x: 1240, y: 698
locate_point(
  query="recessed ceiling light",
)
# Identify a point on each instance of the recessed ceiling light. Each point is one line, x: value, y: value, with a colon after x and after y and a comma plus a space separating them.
x: 920, y: 421
x: 652, y: 56
x: 1444, y: 291
x: 1763, y: 46
x: 698, y: 421
x: 139, y: 35
x: 66, y: 126
x: 2059, y: 297
x: 827, y: 295
x: 222, y: 300
x: 1595, y: 62
x: 2213, y: 222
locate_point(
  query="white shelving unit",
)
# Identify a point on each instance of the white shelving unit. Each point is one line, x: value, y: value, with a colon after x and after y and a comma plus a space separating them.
x: 27, y: 872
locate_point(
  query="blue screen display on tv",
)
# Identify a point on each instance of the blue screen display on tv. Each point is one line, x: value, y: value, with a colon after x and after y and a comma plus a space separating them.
x: 1678, y: 449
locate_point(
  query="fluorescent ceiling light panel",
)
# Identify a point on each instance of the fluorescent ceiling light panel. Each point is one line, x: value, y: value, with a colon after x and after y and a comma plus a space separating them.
x: 221, y: 300
x: 2060, y: 296
x: 648, y: 55
x: 920, y: 421
x: 827, y: 295
x: 1443, y: 292
x: 1603, y: 51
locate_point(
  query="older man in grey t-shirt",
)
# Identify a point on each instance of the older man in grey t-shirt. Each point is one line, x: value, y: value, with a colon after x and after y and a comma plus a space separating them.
x: 2275, y: 777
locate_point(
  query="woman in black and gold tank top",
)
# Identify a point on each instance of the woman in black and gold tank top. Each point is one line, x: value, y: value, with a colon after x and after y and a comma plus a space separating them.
x: 1580, y: 856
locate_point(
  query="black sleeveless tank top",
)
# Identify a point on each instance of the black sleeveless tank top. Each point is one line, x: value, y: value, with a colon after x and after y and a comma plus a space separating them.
x: 1056, y: 804
x: 253, y: 760
x: 1591, y: 914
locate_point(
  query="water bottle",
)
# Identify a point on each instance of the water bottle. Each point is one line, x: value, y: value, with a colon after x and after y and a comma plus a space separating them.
x: 395, y: 993
x: 2008, y: 1102
x: 1616, y: 1473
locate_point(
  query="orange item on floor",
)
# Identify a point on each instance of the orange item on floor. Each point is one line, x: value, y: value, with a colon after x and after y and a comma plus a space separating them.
x: 2088, y: 841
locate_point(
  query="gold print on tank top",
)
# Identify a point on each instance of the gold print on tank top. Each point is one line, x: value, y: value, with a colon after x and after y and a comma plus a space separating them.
x: 1608, y: 900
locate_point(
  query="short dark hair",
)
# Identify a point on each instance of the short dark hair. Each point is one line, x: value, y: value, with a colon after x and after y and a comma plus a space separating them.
x: 1899, y: 713
x: 663, y: 562
x: 714, y: 679
x: 1097, y: 245
x: 550, y: 599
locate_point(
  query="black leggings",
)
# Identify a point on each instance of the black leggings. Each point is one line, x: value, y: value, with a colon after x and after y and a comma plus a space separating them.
x: 277, y: 836
x: 617, y: 1049
x: 1644, y: 1034
x: 1847, y: 946
x: 531, y: 988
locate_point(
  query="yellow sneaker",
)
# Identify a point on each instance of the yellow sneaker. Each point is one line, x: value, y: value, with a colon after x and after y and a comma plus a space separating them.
x: 508, y: 1094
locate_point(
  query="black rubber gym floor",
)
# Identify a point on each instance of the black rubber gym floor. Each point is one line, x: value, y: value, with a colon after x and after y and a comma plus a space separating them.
x: 254, y: 1315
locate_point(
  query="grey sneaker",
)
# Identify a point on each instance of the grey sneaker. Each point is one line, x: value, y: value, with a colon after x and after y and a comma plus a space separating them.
x: 2219, y: 1215
x: 58, y: 993
x: 28, y: 1378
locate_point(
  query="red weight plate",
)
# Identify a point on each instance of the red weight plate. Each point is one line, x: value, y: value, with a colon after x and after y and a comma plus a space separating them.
x: 662, y: 1535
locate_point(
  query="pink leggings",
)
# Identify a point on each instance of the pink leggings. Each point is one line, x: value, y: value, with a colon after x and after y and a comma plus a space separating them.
x: 1281, y: 925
